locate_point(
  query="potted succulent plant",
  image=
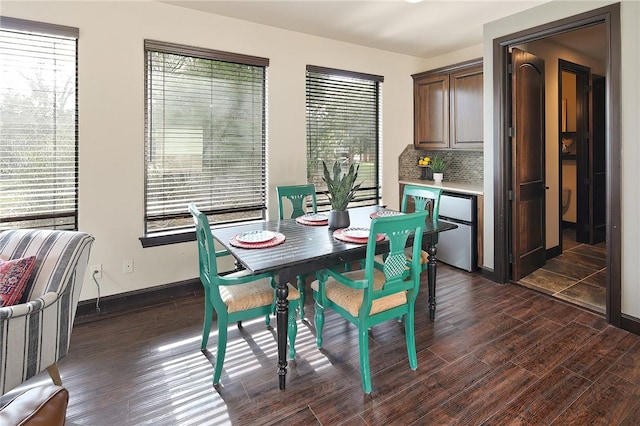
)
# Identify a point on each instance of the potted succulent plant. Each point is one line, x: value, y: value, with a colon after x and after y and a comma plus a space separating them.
x: 437, y: 165
x: 342, y: 189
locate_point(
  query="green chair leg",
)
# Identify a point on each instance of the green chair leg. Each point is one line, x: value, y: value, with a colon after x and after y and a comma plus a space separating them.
x: 267, y: 320
x: 206, y: 326
x: 363, y: 341
x: 301, y: 279
x: 222, y: 349
x: 411, y: 340
x: 292, y: 329
x: 319, y: 320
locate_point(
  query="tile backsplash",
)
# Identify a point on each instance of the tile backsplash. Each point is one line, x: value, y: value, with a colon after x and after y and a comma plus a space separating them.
x: 462, y: 166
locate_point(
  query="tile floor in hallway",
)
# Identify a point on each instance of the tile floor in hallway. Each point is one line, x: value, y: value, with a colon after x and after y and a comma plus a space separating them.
x: 578, y: 275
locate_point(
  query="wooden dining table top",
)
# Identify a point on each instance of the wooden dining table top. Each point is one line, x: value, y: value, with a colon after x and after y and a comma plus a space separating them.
x: 306, y: 248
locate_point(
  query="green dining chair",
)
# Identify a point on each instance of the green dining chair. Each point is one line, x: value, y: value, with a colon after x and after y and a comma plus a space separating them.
x: 297, y: 196
x: 380, y: 291
x: 234, y: 297
x: 424, y: 199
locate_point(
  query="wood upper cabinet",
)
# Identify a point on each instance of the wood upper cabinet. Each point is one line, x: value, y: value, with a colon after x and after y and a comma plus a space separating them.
x: 448, y: 107
x: 431, y: 111
x: 466, y: 109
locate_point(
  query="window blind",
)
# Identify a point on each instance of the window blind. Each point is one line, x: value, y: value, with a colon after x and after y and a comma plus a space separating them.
x: 343, y: 124
x: 38, y: 125
x: 204, y: 136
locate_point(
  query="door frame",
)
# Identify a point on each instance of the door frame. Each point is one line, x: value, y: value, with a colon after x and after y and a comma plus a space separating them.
x: 582, y: 74
x: 610, y: 17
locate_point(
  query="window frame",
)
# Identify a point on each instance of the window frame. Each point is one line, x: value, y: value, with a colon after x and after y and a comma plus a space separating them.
x: 54, y: 31
x: 187, y: 233
x: 323, y: 203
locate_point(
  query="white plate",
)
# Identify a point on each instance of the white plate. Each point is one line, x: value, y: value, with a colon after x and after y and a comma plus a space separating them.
x: 316, y: 217
x: 386, y: 213
x: 255, y: 236
x: 356, y: 232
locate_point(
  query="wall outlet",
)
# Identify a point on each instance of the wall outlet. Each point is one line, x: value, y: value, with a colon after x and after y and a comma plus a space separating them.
x: 127, y: 266
x: 96, y: 270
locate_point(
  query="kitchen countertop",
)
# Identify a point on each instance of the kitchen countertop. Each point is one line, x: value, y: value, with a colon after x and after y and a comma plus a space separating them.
x: 463, y: 188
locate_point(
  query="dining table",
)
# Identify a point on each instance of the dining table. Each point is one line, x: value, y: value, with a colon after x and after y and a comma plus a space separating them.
x: 307, y: 248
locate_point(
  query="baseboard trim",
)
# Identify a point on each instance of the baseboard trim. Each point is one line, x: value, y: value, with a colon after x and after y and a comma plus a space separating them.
x: 118, y: 303
x: 553, y: 252
x: 489, y: 274
x: 629, y: 323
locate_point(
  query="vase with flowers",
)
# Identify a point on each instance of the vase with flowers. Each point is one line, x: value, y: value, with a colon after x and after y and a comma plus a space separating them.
x: 437, y: 165
x: 423, y: 163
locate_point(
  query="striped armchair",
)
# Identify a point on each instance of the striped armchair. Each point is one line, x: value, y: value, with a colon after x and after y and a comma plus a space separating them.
x: 35, y: 333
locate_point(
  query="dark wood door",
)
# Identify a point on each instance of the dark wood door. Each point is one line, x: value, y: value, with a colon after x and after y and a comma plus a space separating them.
x: 431, y: 112
x: 466, y: 109
x: 598, y: 161
x: 528, y: 250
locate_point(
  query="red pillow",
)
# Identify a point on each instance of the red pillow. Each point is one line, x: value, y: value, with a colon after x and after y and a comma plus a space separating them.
x: 14, y: 275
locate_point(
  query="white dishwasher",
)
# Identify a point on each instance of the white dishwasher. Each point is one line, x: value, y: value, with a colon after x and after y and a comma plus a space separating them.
x: 457, y: 247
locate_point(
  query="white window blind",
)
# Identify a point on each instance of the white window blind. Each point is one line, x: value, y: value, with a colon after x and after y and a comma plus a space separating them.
x: 343, y: 124
x: 204, y: 137
x: 38, y: 125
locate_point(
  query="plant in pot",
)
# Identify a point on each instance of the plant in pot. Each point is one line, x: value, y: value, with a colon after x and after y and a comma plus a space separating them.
x: 342, y: 189
x: 437, y: 166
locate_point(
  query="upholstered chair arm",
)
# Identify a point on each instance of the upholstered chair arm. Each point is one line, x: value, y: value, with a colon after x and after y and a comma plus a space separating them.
x: 9, y: 312
x: 27, y: 329
x: 35, y: 334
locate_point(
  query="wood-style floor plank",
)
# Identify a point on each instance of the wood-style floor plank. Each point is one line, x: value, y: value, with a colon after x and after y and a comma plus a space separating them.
x: 495, y: 354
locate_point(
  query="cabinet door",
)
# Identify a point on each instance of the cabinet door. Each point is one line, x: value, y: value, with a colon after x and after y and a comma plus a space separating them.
x: 466, y: 109
x: 431, y: 112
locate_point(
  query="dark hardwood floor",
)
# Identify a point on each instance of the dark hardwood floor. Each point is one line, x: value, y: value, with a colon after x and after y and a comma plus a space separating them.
x: 496, y: 355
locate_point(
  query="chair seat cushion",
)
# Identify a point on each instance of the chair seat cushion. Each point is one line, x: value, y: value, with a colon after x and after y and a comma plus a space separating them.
x: 251, y: 295
x: 14, y: 275
x: 351, y: 299
x: 424, y: 256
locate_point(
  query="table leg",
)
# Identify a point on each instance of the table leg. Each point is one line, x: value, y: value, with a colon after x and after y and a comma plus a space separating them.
x: 282, y: 316
x: 431, y: 279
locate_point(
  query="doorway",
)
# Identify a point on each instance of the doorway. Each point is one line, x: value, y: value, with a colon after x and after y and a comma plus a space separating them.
x: 609, y: 17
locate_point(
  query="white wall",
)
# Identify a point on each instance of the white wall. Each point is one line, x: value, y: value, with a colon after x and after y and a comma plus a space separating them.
x: 111, y: 117
x: 629, y: 112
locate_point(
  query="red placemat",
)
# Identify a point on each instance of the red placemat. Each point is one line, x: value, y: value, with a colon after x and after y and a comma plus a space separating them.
x: 338, y: 234
x: 304, y: 221
x: 276, y: 240
x: 385, y: 213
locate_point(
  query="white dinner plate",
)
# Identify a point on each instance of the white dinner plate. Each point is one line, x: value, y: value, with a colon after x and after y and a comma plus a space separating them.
x: 316, y: 217
x: 356, y: 232
x: 255, y: 236
x: 386, y: 213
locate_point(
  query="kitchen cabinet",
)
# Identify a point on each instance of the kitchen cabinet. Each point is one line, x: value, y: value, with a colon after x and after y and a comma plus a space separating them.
x: 448, y: 107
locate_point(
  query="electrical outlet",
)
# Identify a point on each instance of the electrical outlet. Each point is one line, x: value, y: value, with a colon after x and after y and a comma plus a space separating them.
x: 96, y: 270
x: 127, y: 266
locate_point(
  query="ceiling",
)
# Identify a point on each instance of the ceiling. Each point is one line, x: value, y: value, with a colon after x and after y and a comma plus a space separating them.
x: 424, y: 29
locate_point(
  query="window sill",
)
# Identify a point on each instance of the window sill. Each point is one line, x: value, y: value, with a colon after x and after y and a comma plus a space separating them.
x: 180, y: 236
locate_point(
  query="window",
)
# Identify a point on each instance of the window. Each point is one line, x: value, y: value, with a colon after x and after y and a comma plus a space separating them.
x: 38, y: 125
x: 204, y: 137
x: 343, y: 124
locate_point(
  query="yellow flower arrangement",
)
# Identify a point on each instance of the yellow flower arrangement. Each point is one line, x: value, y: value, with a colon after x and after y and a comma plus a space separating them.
x: 424, y: 161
